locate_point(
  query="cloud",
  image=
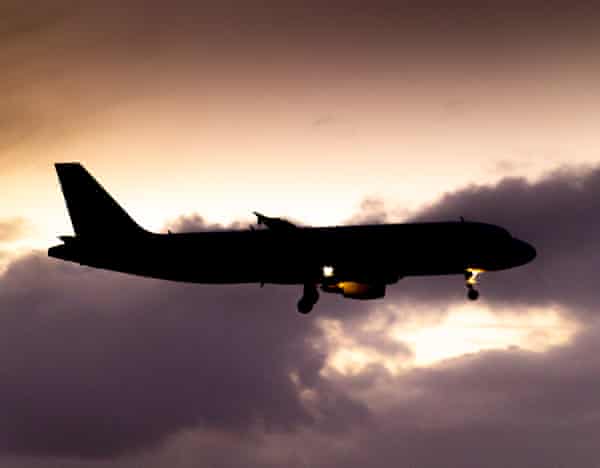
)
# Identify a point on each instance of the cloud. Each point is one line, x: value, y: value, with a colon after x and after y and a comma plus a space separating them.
x: 196, y: 223
x: 12, y: 229
x: 372, y: 211
x: 495, y: 409
x: 97, y: 364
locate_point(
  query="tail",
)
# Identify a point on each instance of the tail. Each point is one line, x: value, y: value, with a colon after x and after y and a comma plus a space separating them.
x: 93, y: 212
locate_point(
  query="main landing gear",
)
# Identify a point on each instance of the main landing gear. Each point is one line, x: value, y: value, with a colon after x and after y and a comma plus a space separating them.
x: 308, y: 299
x: 471, y: 280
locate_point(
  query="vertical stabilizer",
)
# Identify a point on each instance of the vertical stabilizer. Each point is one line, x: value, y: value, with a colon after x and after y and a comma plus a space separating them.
x: 93, y: 211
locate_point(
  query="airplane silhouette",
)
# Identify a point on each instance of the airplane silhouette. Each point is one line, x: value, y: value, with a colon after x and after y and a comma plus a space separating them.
x: 357, y: 262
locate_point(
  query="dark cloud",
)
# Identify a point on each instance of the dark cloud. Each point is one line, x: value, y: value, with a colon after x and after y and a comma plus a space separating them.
x: 97, y: 364
x: 493, y: 409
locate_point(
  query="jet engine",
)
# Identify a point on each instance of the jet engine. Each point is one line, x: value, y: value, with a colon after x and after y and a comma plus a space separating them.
x: 355, y: 290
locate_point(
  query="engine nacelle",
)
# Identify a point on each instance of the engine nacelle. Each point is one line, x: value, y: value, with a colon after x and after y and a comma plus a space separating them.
x: 354, y: 290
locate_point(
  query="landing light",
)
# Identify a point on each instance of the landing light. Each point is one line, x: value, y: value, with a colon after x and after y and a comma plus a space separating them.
x: 327, y: 271
x: 474, y: 273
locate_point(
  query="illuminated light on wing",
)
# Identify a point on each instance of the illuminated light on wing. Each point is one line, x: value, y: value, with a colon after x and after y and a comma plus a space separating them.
x: 351, y: 288
x: 328, y: 271
x: 355, y: 290
x: 473, y: 278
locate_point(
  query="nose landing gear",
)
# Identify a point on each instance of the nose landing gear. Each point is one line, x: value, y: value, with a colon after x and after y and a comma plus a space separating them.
x: 471, y: 280
x: 308, y: 299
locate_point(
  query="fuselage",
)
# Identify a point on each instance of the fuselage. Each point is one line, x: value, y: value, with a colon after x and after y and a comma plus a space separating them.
x: 357, y: 262
x: 370, y: 253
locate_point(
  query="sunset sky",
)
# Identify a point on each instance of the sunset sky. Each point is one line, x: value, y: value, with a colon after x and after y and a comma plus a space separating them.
x: 193, y: 113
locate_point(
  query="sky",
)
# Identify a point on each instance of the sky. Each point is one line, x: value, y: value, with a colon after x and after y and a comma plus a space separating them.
x: 194, y: 114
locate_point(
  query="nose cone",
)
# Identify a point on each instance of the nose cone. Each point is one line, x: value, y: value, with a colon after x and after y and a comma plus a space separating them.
x: 523, y: 252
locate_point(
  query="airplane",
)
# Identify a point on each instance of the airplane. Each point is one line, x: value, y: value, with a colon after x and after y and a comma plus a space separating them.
x: 357, y: 262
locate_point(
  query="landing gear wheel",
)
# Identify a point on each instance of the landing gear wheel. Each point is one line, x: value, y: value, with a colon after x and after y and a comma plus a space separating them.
x: 473, y: 294
x: 304, y: 306
x: 308, y: 299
